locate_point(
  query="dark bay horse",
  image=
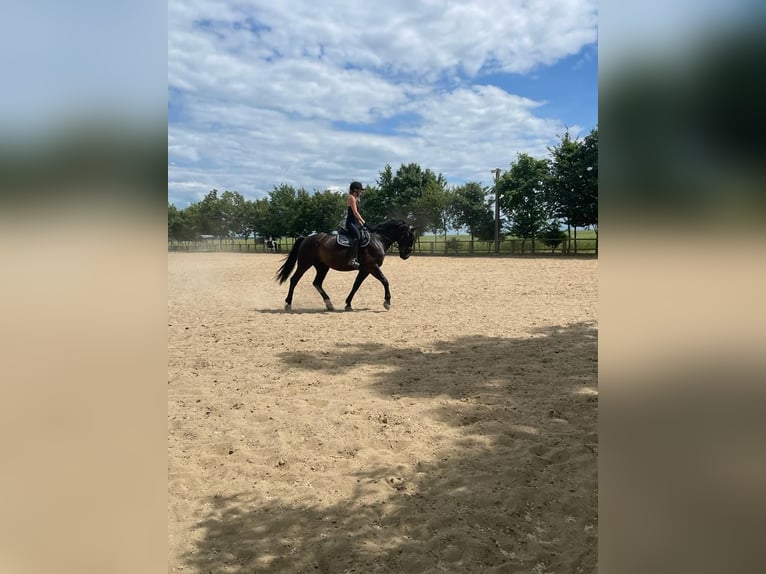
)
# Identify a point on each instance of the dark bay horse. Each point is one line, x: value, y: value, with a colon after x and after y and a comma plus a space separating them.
x: 322, y: 251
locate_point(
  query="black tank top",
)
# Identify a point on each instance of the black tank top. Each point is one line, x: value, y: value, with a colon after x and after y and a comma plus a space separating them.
x: 350, y: 214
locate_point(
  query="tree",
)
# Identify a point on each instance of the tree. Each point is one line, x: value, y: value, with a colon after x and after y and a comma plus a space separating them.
x: 303, y: 221
x: 260, y: 220
x: 564, y: 179
x: 471, y: 209
x: 589, y: 169
x: 211, y: 220
x: 252, y: 220
x: 552, y: 236
x: 282, y: 211
x: 431, y: 207
x: 191, y: 222
x: 175, y: 223
x: 181, y: 226
x: 399, y: 195
x: 234, y: 212
x: 573, y: 184
x: 522, y: 196
x: 328, y: 209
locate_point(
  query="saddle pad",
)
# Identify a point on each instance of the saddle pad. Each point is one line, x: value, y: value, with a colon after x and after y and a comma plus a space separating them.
x: 343, y: 239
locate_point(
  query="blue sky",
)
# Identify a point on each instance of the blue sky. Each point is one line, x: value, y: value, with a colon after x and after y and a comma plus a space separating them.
x: 316, y: 95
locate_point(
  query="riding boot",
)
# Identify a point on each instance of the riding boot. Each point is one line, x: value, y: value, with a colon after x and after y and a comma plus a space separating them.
x: 353, y: 261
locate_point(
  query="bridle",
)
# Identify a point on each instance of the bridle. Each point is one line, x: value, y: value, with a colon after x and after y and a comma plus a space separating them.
x: 391, y: 241
x: 404, y: 251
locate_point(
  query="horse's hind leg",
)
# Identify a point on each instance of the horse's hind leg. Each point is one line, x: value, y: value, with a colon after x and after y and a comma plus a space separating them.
x: 321, y: 274
x: 302, y: 268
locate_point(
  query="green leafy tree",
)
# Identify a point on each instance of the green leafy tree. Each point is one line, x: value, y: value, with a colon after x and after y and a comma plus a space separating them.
x: 251, y: 222
x: 260, y: 220
x: 552, y: 236
x: 181, y: 224
x: 431, y: 207
x: 175, y: 223
x: 282, y: 211
x: 234, y: 213
x: 304, y: 219
x: 399, y: 195
x: 211, y: 219
x: 589, y: 169
x: 472, y: 209
x: 523, y: 197
x: 191, y: 225
x: 486, y: 230
x: 328, y: 209
x: 564, y: 179
x: 573, y: 184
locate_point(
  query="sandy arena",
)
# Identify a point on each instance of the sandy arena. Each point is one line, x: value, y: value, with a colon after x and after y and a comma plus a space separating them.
x: 455, y: 433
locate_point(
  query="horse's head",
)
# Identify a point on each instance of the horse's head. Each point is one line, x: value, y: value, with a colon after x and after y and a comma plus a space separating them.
x: 399, y: 232
x: 407, y: 235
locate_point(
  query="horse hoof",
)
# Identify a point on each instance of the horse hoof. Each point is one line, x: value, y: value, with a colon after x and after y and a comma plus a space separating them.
x: 348, y: 308
x: 387, y: 305
x: 288, y: 308
x: 329, y: 306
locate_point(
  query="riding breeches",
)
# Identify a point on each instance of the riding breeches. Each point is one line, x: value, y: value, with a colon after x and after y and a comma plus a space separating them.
x: 353, y: 230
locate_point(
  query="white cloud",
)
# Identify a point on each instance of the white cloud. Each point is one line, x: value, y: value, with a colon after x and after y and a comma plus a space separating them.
x: 423, y: 38
x: 469, y: 131
x: 317, y: 94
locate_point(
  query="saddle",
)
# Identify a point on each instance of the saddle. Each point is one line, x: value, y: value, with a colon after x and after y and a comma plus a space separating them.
x: 344, y: 239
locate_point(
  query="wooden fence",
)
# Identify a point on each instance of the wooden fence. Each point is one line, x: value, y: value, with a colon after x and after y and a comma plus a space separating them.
x: 230, y: 245
x: 427, y: 246
x: 423, y: 246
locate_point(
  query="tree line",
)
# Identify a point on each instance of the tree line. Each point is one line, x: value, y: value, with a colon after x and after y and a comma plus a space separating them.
x: 537, y: 197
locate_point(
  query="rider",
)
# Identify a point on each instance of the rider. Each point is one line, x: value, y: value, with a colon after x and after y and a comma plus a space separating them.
x: 354, y: 221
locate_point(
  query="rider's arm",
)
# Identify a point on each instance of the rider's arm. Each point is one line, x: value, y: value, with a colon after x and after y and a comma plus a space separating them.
x: 355, y: 209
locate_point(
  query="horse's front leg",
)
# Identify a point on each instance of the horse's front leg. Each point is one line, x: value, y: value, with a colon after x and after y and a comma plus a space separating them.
x: 378, y: 274
x: 360, y: 277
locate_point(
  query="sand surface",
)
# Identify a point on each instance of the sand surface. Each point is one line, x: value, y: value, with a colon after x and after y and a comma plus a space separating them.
x: 456, y: 432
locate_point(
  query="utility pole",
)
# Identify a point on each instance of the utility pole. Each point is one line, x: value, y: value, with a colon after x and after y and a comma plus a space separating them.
x: 497, y: 210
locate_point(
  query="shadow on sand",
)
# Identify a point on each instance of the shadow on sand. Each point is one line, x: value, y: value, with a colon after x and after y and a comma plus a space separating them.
x: 521, y: 499
x: 317, y: 311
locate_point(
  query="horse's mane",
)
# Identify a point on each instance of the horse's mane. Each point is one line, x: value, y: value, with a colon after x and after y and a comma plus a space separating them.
x: 390, y: 224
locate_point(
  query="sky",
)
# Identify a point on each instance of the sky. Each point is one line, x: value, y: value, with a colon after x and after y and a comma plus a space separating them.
x: 318, y: 94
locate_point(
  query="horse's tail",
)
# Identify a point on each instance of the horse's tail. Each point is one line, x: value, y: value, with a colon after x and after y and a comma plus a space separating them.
x: 287, y: 267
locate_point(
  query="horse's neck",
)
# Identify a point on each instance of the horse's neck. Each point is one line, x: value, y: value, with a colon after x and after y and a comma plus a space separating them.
x: 385, y: 240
